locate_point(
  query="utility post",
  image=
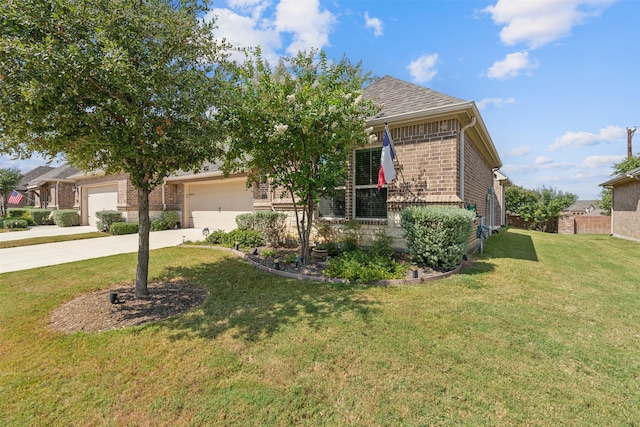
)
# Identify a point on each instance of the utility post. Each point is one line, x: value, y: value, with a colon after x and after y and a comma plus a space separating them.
x: 630, y: 132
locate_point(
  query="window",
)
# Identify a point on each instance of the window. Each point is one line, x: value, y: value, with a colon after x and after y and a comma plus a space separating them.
x: 369, y: 202
x: 333, y: 208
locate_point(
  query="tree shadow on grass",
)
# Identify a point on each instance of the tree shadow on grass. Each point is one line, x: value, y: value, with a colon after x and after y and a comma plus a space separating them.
x: 254, y: 305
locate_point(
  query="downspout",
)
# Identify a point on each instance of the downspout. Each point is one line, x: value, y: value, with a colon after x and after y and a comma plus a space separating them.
x: 464, y: 128
x: 58, y: 194
x: 164, y: 204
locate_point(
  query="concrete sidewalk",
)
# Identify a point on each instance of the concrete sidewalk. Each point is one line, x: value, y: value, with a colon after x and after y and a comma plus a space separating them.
x: 27, y: 257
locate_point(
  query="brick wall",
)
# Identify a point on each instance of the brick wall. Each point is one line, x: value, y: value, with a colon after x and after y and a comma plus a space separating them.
x: 584, y: 224
x: 625, y: 214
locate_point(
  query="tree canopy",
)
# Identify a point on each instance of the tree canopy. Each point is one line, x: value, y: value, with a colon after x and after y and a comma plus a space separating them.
x: 9, y: 178
x: 537, y: 206
x: 118, y: 86
x: 294, y: 126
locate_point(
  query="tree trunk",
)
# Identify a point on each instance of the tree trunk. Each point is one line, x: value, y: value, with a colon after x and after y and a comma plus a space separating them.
x: 142, y: 270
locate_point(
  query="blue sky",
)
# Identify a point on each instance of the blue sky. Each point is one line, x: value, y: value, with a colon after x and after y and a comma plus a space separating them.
x: 557, y: 81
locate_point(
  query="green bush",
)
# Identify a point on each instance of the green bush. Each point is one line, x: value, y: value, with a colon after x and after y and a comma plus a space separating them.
x: 437, y: 236
x: 106, y: 218
x: 66, y: 218
x: 363, y: 266
x: 351, y: 239
x: 120, y: 228
x: 40, y: 216
x: 245, y: 221
x: 158, y: 225
x: 382, y: 244
x: 170, y: 219
x: 15, y: 223
x: 272, y: 225
x: 216, y: 237
x: 245, y: 238
x: 17, y: 212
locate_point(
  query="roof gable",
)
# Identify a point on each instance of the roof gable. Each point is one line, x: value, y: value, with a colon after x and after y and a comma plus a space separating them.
x: 31, y: 175
x: 400, y: 97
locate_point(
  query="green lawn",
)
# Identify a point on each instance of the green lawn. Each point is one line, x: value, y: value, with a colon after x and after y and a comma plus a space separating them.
x: 50, y: 239
x: 544, y: 329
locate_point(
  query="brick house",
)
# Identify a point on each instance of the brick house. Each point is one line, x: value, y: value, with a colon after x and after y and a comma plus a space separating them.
x: 21, y: 187
x: 444, y: 156
x: 55, y: 189
x: 625, y: 204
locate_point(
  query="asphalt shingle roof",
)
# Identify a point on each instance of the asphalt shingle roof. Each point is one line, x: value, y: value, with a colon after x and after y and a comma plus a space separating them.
x: 399, y: 97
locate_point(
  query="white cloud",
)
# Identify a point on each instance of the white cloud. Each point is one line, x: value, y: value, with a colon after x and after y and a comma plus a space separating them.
x: 308, y: 25
x: 519, y: 151
x: 293, y: 24
x: 373, y: 23
x: 539, y: 22
x: 542, y: 160
x: 598, y: 162
x: 424, y: 69
x: 583, y: 139
x: 511, y: 66
x: 496, y: 102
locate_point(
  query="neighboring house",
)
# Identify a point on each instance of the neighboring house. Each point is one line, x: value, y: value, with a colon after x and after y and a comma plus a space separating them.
x: 21, y: 187
x: 444, y: 156
x: 625, y: 204
x: 54, y: 189
x: 584, y: 217
x: 583, y: 207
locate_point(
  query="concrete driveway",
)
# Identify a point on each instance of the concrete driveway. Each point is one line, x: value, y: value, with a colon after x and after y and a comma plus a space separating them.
x: 26, y: 257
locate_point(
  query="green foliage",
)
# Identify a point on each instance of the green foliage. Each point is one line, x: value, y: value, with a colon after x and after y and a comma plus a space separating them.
x: 121, y: 228
x: 15, y: 223
x: 364, y: 266
x: 269, y: 252
x: 290, y: 258
x: 305, y: 116
x: 618, y: 169
x: 118, y: 86
x: 539, y: 207
x: 246, y: 221
x: 350, y: 240
x: 158, y: 225
x: 66, y: 218
x: 9, y: 178
x: 170, y: 219
x: 437, y: 236
x: 216, y: 237
x: 382, y: 244
x: 17, y: 212
x: 40, y: 216
x: 107, y: 218
x: 244, y: 238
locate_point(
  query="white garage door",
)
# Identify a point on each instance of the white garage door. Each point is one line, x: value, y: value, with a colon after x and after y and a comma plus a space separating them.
x: 100, y: 199
x: 215, y: 205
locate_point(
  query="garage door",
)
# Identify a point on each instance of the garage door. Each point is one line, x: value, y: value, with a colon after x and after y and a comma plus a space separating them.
x: 216, y: 205
x: 103, y: 198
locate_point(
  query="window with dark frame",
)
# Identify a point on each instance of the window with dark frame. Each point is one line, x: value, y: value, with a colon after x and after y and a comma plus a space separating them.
x: 369, y: 201
x: 334, y: 207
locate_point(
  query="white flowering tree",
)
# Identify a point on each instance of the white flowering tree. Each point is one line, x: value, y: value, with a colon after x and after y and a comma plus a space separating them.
x: 294, y: 127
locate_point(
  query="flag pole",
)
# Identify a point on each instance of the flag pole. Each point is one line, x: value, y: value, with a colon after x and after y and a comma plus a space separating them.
x: 396, y: 158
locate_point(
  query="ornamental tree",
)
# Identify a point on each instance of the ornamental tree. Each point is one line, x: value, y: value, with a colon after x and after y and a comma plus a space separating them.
x: 117, y: 85
x: 9, y: 178
x: 293, y: 126
x: 537, y: 206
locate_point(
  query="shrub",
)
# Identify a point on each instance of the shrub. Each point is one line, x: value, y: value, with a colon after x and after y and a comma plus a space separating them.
x: 351, y: 238
x: 120, y: 228
x: 245, y: 238
x: 158, y: 225
x: 15, y: 223
x: 21, y: 213
x: 245, y: 221
x: 382, y: 244
x: 40, y: 216
x: 106, y: 218
x: 272, y: 225
x: 66, y: 218
x: 437, y: 236
x: 361, y: 266
x: 269, y: 252
x: 216, y: 237
x: 170, y: 219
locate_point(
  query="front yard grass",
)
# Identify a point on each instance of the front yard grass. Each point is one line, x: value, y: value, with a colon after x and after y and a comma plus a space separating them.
x: 50, y: 239
x: 543, y: 329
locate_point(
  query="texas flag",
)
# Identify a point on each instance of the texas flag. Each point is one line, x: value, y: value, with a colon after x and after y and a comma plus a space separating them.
x: 387, y: 172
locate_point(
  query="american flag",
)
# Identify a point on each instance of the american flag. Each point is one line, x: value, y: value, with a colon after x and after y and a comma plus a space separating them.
x: 15, y: 198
